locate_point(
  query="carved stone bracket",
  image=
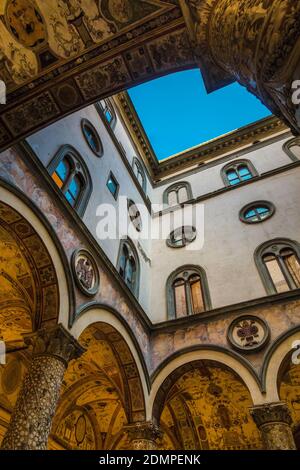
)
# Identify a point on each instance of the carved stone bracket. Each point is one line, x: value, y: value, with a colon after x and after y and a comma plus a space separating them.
x: 274, y: 421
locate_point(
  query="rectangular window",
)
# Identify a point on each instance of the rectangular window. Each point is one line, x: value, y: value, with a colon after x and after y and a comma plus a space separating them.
x: 113, y: 185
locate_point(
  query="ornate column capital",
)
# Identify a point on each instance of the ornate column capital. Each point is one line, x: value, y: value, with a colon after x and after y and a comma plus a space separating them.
x: 274, y: 422
x: 271, y: 413
x: 55, y: 341
x: 143, y: 435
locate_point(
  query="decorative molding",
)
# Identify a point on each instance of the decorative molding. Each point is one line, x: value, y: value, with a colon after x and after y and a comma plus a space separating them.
x: 85, y: 272
x: 248, y: 333
x: 198, y: 155
x: 55, y: 341
x: 270, y: 413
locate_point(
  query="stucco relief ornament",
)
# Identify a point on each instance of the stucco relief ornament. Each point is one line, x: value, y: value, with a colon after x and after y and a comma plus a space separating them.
x: 248, y: 333
x: 86, y: 272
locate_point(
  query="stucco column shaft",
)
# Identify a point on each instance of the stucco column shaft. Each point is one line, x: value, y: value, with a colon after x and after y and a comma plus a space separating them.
x: 143, y: 436
x: 36, y: 404
x: 274, y: 422
x: 254, y: 42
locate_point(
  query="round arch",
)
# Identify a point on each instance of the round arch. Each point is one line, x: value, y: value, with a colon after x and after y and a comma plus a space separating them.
x: 97, y: 313
x: 225, y: 358
x: 274, y: 359
x: 27, y: 225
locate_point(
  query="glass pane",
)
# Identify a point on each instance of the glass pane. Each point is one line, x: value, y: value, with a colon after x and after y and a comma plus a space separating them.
x: 70, y: 198
x: 172, y: 198
x: 75, y: 187
x: 182, y: 195
x: 276, y: 274
x: 112, y: 186
x: 63, y: 169
x: 197, y: 298
x: 249, y: 214
x: 57, y: 180
x: 180, y: 300
x: 244, y: 173
x: 262, y: 210
x: 296, y: 150
x: 140, y: 178
x: 91, y: 138
x: 108, y: 116
x: 292, y: 264
x: 232, y: 175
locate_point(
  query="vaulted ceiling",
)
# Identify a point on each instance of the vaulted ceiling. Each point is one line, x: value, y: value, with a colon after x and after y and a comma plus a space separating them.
x: 57, y: 56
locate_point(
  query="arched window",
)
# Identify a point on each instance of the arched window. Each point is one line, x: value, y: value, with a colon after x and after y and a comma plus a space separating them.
x: 278, y: 262
x: 256, y: 212
x: 70, y: 173
x: 129, y: 266
x: 108, y: 112
x: 91, y: 137
x: 292, y: 149
x: 178, y: 193
x: 187, y: 292
x: 139, y: 173
x: 237, y: 172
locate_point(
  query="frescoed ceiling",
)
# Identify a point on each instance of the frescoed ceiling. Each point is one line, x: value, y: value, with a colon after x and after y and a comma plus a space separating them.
x: 289, y: 391
x: 101, y: 393
x: 208, y: 408
x: 59, y: 55
x: 28, y: 283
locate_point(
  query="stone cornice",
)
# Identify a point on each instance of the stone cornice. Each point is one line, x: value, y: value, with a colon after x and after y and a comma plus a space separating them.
x: 199, y: 155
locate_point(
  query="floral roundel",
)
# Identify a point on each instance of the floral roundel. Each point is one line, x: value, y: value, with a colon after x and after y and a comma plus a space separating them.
x: 248, y: 333
x: 86, y: 272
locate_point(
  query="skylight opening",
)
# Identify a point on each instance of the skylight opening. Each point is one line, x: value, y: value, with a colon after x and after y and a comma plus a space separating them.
x: 177, y: 113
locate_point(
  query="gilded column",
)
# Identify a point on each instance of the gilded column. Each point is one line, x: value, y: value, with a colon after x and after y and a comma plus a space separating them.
x: 274, y: 422
x: 36, y: 404
x: 254, y: 42
x: 143, y: 436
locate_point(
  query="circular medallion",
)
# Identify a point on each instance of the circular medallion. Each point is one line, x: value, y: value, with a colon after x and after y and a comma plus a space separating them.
x: 248, y: 333
x: 26, y: 23
x: 86, y: 272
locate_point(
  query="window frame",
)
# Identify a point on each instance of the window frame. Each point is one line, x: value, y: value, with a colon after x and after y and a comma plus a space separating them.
x: 86, y: 123
x: 131, y: 249
x: 247, y: 207
x: 80, y: 168
x: 136, y: 162
x: 287, y: 148
x: 186, y: 242
x: 130, y: 203
x: 266, y: 248
x: 170, y: 292
x: 234, y: 165
x: 110, y: 108
x: 112, y: 176
x: 176, y: 188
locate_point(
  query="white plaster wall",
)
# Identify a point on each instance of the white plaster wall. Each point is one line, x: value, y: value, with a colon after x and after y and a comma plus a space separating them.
x: 208, y: 180
x: 229, y: 244
x: 227, y: 254
x: 68, y: 131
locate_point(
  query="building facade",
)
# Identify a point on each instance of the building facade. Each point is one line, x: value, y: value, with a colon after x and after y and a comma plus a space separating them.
x: 185, y: 339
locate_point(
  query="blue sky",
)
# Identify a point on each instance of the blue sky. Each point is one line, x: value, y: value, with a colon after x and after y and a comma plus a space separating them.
x: 177, y: 113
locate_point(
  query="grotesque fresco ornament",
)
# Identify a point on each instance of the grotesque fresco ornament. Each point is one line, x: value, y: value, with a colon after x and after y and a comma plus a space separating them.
x: 248, y: 333
x: 25, y: 23
x: 85, y: 272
